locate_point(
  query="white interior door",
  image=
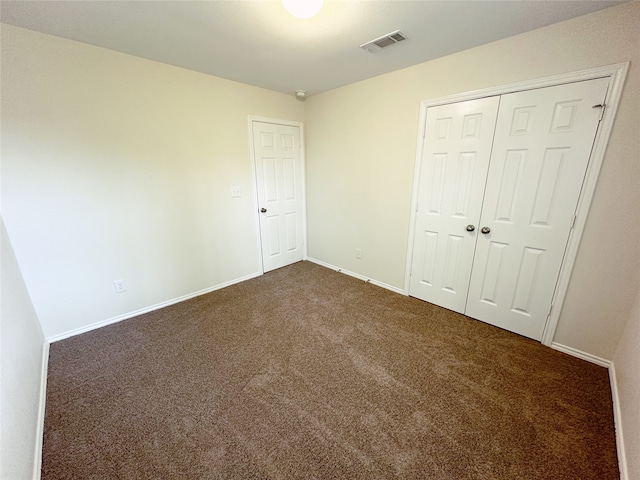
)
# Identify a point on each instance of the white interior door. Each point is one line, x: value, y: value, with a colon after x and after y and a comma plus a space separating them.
x: 279, y: 182
x: 541, y: 150
x: 454, y: 167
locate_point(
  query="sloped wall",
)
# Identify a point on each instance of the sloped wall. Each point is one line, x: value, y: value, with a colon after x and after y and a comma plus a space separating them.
x: 22, y: 346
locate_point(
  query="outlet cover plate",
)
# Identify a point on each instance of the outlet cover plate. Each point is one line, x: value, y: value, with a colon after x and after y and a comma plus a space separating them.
x: 119, y: 286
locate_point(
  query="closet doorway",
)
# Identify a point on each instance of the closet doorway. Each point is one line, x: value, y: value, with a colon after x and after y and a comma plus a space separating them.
x: 499, y: 185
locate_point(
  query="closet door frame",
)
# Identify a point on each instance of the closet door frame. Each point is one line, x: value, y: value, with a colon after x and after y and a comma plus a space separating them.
x: 616, y: 74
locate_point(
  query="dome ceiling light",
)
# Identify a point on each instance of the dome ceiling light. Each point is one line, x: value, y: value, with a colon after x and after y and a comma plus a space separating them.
x: 302, y: 8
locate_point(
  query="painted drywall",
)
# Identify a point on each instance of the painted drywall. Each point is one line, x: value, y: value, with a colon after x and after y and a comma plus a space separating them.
x: 21, y: 361
x: 361, y: 147
x: 115, y: 167
x: 626, y: 361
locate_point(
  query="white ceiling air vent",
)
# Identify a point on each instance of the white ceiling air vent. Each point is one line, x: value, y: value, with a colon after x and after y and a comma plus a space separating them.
x: 383, y: 41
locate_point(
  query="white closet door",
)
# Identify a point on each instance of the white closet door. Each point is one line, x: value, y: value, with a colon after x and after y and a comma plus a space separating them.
x: 541, y: 150
x: 454, y: 168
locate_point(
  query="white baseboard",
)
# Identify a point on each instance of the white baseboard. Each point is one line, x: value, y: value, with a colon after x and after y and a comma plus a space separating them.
x: 119, y: 318
x: 617, y: 413
x: 556, y: 346
x: 617, y: 418
x: 37, y: 459
x: 580, y: 354
x: 358, y: 276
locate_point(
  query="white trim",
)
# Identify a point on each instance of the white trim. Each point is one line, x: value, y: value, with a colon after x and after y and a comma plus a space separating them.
x: 561, y: 79
x: 37, y: 459
x: 256, y: 203
x: 276, y: 121
x: 422, y: 125
x: 617, y: 420
x: 254, y: 177
x: 617, y: 74
x: 357, y: 275
x: 580, y: 354
x: 157, y: 306
x: 617, y: 412
x: 37, y: 464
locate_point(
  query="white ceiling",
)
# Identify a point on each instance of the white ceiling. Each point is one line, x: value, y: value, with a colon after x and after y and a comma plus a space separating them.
x: 258, y: 43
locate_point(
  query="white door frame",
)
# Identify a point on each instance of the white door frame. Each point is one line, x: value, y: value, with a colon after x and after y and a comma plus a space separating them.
x: 617, y: 74
x: 256, y: 204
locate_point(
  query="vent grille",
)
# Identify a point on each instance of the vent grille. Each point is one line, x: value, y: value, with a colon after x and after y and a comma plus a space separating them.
x: 384, y: 41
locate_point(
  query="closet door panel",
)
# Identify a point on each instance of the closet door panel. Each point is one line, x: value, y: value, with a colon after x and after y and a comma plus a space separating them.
x: 455, y: 162
x: 540, y: 156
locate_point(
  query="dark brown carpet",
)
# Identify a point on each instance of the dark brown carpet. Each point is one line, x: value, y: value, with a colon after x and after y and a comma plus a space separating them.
x: 308, y: 373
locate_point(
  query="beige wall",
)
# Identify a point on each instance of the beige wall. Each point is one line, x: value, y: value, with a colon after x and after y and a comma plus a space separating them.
x: 117, y: 167
x: 627, y: 360
x: 21, y: 347
x: 114, y: 167
x: 361, y: 145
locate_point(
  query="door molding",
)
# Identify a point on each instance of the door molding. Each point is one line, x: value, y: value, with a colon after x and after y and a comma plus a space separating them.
x: 254, y: 180
x: 616, y: 74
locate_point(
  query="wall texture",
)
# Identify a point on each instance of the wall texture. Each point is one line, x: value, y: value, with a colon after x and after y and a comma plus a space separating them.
x: 114, y: 167
x: 21, y: 347
x: 361, y: 147
x: 117, y: 167
x: 626, y: 360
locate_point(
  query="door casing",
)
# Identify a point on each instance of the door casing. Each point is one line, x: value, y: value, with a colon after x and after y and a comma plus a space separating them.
x: 300, y: 125
x: 617, y: 74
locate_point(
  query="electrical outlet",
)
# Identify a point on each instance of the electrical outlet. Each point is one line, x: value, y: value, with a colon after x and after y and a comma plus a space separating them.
x: 358, y: 253
x: 235, y: 191
x: 119, y: 286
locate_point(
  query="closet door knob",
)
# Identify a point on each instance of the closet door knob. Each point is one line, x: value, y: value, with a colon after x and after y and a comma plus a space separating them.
x: 485, y: 230
x: 263, y: 210
x: 471, y: 228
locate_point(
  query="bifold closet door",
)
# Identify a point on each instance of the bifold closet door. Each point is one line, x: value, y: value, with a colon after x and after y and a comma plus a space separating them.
x: 454, y: 167
x: 499, y: 185
x: 541, y: 151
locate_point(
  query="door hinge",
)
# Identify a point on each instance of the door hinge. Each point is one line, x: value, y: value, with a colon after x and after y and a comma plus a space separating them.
x: 550, y: 309
x: 573, y: 222
x: 602, y: 108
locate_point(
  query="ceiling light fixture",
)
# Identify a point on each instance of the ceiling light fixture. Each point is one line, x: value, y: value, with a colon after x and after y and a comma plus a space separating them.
x: 302, y: 8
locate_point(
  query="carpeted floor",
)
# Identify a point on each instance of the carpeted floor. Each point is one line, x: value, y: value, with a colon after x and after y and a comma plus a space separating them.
x: 308, y: 373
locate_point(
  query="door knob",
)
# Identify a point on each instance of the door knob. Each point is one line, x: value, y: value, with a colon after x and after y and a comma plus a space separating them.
x: 263, y: 210
x: 485, y: 230
x: 471, y: 228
